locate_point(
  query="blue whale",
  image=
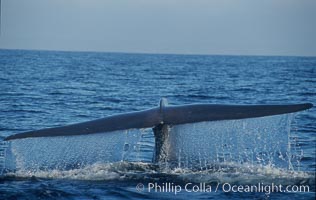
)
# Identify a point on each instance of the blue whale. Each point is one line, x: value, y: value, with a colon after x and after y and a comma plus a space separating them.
x: 161, y: 118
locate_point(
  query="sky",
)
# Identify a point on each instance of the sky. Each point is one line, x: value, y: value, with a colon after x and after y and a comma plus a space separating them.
x: 216, y: 27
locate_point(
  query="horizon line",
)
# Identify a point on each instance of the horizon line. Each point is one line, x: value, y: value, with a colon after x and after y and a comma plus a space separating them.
x: 157, y: 53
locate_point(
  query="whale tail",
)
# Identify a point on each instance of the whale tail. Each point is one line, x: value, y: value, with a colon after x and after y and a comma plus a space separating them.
x: 165, y: 115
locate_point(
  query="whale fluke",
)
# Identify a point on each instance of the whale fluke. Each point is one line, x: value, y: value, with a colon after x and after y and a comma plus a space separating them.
x: 142, y: 119
x: 214, y: 112
x: 165, y: 115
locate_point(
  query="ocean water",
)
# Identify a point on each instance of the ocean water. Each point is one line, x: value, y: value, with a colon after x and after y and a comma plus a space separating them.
x: 40, y: 89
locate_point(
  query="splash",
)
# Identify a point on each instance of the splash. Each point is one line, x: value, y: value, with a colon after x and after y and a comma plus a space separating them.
x: 95, y: 172
x: 219, y: 150
x: 257, y: 141
x: 72, y: 152
x: 147, y: 172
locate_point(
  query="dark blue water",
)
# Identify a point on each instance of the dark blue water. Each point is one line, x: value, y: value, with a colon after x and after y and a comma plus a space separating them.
x: 40, y: 89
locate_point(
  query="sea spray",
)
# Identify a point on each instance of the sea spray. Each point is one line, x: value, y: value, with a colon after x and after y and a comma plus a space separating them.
x: 72, y: 152
x: 252, y: 142
x: 260, y: 141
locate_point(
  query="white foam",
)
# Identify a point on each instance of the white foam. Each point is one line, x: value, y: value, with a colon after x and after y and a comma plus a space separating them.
x: 224, y: 173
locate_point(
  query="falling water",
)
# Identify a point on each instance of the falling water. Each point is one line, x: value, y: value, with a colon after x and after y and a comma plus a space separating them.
x: 252, y: 142
x: 63, y: 153
x: 258, y: 141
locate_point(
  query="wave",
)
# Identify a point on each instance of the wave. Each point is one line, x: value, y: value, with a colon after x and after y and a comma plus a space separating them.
x: 232, y: 173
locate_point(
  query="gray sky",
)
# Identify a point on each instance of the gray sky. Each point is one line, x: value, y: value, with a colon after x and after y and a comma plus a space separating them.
x: 230, y: 27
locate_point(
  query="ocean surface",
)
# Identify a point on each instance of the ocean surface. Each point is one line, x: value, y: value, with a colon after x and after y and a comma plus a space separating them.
x: 41, y: 89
